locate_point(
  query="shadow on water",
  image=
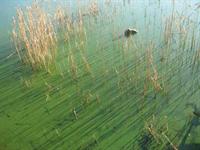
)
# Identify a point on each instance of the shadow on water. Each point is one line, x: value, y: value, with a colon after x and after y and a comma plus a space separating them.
x: 193, y: 123
x: 145, y: 141
x: 191, y: 146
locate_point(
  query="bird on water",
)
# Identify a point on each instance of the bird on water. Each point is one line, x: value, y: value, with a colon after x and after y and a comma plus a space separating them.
x: 128, y: 32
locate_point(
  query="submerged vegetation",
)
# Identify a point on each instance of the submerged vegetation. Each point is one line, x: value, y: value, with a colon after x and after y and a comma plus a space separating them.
x: 80, y: 83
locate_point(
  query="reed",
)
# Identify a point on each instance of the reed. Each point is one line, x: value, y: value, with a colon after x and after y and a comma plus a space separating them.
x: 75, y: 38
x: 150, y: 126
x: 168, y: 31
x: 170, y: 142
x: 86, y: 64
x: 93, y: 8
x: 64, y: 24
x: 159, y: 131
x: 73, y: 66
x: 151, y: 71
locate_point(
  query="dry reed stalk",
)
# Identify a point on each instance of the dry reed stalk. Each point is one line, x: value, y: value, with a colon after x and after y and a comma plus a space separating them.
x: 151, y: 68
x: 172, y: 145
x: 72, y: 65
x: 158, y: 132
x: 15, y: 39
x: 150, y: 126
x: 73, y: 32
x: 80, y: 32
x: 168, y: 31
x: 144, y: 93
x: 86, y: 64
x: 148, y: 67
x: 152, y: 130
x: 65, y: 22
x: 153, y: 133
x: 154, y: 80
x: 93, y: 8
x: 81, y: 43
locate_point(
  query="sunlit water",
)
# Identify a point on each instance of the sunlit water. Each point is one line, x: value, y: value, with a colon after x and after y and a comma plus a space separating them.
x: 121, y: 118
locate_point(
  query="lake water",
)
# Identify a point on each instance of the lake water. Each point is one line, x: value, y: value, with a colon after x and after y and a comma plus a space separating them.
x: 142, y: 92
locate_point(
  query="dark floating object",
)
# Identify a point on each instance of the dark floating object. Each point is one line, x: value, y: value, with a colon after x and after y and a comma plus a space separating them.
x: 128, y: 32
x: 196, y: 113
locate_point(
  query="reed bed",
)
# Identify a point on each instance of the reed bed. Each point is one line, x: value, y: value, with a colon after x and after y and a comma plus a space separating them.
x: 34, y: 36
x: 75, y: 38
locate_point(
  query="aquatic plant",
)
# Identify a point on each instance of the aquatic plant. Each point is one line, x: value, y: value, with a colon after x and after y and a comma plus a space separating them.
x: 159, y: 131
x: 151, y: 71
x: 34, y: 36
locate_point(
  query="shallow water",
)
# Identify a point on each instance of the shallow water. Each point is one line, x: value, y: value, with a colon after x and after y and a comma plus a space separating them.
x: 111, y: 107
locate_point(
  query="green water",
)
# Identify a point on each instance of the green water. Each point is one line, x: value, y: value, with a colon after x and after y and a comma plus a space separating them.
x: 37, y: 107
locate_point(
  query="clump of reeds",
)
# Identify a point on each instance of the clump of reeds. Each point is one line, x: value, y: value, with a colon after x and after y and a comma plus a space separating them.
x: 159, y: 132
x: 93, y: 8
x: 151, y: 71
x: 65, y: 23
x: 34, y: 36
x: 75, y: 38
x: 150, y: 127
x: 72, y: 65
x: 168, y: 31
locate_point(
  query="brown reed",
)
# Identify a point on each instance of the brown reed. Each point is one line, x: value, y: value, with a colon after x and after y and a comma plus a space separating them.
x: 72, y: 65
x: 151, y: 71
x: 94, y: 8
